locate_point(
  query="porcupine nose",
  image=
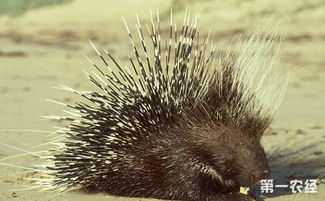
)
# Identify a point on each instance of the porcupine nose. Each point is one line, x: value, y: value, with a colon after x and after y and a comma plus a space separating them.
x: 258, y: 175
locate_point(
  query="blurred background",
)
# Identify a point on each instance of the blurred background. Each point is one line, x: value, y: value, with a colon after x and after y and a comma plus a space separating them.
x: 43, y: 43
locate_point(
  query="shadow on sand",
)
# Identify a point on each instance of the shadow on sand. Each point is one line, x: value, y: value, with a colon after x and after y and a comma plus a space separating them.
x: 301, y: 163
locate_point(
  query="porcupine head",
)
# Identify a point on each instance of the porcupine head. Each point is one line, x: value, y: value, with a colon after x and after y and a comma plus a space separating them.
x: 238, y: 106
x: 177, y: 105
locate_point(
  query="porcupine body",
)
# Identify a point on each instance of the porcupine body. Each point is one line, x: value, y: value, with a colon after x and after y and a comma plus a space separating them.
x: 172, y: 124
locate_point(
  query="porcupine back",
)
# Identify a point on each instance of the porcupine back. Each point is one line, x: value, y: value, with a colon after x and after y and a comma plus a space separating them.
x: 167, y: 88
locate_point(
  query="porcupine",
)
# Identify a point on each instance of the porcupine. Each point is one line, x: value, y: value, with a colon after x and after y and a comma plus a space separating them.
x: 173, y: 124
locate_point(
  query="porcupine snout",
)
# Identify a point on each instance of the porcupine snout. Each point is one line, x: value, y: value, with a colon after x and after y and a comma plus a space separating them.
x: 257, y: 175
x: 252, y: 163
x: 260, y: 170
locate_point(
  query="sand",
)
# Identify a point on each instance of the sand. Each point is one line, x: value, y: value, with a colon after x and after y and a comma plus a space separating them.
x: 44, y: 48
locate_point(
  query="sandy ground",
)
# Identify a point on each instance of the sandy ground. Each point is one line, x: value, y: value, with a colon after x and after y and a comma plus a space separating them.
x: 45, y: 47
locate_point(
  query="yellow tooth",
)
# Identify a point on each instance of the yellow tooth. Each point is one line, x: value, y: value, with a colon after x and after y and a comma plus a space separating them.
x: 244, y: 190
